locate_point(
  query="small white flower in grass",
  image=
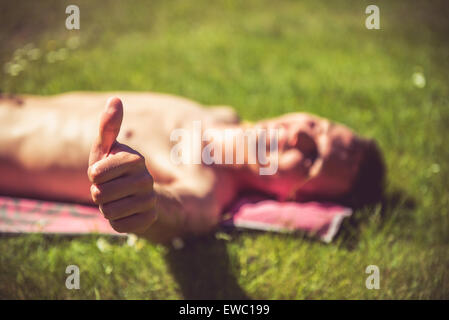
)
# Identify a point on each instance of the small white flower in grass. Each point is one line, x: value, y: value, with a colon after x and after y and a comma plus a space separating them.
x: 15, y: 69
x: 131, y: 240
x: 108, y: 269
x: 103, y: 245
x: 18, y: 53
x: 177, y: 243
x: 135, y: 242
x: 419, y: 80
x: 51, y: 57
x: 61, y: 54
x: 23, y: 63
x: 435, y: 168
x: 73, y: 42
x: 34, y: 54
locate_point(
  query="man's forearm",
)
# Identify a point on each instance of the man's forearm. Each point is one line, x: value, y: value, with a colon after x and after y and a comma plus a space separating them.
x: 170, y: 217
x: 180, y: 212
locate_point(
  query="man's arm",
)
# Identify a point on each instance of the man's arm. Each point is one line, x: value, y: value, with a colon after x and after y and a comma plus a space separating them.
x: 127, y: 196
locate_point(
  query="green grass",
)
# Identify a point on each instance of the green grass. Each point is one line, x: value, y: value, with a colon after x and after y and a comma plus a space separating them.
x: 264, y: 58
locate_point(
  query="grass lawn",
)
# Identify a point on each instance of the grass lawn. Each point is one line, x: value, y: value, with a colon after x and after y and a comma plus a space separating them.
x: 264, y: 58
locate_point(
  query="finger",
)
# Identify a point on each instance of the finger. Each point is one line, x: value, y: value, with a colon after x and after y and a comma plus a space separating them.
x: 109, y: 128
x: 121, y: 187
x: 137, y: 223
x: 115, y: 165
x: 127, y: 206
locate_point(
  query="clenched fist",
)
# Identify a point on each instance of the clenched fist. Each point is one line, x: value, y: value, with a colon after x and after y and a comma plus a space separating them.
x: 121, y: 183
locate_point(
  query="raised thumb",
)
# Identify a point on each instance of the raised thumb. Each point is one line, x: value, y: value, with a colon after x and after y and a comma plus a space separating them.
x: 110, y: 122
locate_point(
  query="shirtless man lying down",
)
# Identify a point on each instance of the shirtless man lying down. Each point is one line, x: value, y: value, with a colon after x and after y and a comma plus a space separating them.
x: 47, y: 144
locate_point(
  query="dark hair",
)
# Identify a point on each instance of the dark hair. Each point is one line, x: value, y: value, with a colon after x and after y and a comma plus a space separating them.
x: 369, y: 184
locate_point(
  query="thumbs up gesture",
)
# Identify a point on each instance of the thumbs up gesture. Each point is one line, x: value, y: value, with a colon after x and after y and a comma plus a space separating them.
x: 121, y: 183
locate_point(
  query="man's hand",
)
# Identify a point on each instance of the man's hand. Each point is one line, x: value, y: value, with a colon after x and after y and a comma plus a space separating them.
x: 121, y: 183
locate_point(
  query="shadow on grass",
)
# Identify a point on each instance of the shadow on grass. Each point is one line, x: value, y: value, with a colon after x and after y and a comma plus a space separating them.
x: 381, y: 211
x: 203, y: 270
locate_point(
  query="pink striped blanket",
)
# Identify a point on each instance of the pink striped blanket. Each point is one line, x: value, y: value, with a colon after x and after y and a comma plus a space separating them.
x: 19, y: 215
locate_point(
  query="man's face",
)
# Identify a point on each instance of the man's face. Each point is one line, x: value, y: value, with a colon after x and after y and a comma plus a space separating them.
x: 315, y: 157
